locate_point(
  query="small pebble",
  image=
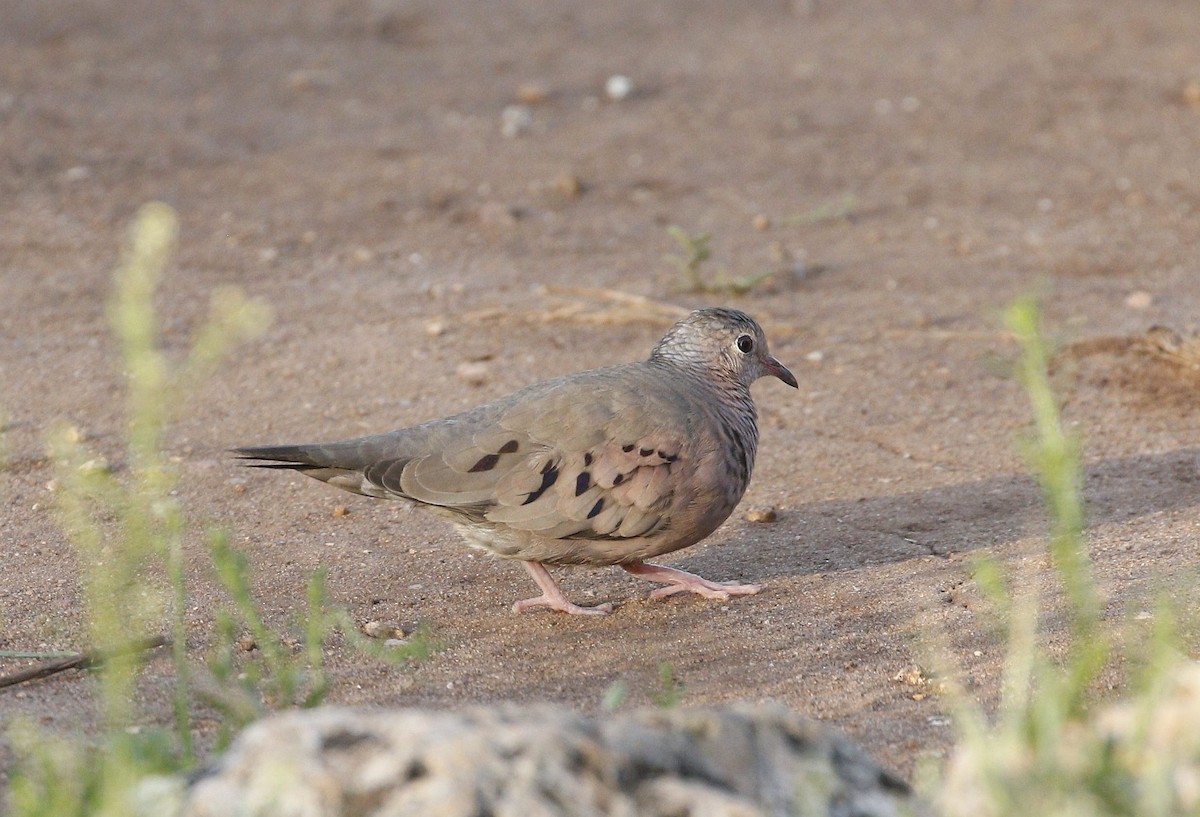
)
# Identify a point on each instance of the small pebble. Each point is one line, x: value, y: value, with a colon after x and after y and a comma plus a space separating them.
x: 568, y: 185
x: 618, y: 87
x: 246, y: 643
x: 435, y: 328
x: 473, y: 373
x: 1139, y: 299
x: 531, y: 94
x: 761, y: 515
x: 515, y: 120
x: 98, y: 465
x: 383, y: 629
x: 497, y: 214
x: 912, y: 675
x: 341, y: 510
x: 762, y: 223
x: 1191, y: 92
x: 396, y: 642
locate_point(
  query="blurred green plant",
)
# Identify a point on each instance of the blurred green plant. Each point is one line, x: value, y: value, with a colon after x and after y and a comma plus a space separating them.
x: 694, y: 251
x: 128, y: 528
x: 1047, y: 751
x: 249, y: 676
x: 670, y: 690
x: 830, y: 211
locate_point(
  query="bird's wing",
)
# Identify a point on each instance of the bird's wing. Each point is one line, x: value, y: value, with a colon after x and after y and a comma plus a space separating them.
x: 592, y: 456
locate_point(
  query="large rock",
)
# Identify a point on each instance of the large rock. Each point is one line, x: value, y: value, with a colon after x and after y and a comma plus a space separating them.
x: 543, y: 761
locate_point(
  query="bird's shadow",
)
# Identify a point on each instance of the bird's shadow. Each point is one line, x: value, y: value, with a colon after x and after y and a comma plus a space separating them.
x: 827, y: 537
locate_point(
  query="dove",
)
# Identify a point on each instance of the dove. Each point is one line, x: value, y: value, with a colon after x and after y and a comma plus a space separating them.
x: 612, y: 466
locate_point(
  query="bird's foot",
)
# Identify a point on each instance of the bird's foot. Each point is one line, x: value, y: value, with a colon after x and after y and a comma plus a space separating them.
x: 680, y: 581
x: 552, y: 598
x: 561, y: 605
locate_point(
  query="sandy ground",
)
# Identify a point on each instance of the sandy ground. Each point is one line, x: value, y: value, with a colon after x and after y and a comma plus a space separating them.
x: 345, y: 162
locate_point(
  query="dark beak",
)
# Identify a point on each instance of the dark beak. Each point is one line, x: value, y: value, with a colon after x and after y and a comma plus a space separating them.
x: 773, y: 366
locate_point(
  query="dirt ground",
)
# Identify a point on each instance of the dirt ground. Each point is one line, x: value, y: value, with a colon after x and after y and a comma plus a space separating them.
x: 904, y: 169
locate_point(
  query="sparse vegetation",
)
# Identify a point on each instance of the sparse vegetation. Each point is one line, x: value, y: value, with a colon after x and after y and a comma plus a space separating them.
x: 670, y: 690
x: 830, y: 211
x: 694, y: 252
x: 1053, y: 748
x: 129, y: 531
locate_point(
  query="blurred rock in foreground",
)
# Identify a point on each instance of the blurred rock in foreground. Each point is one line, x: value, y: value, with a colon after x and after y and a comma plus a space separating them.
x: 541, y: 761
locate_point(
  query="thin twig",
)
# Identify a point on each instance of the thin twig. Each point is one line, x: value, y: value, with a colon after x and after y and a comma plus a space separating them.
x: 83, y: 660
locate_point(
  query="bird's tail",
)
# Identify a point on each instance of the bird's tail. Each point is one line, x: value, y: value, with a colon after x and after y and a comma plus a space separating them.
x: 295, y: 457
x: 335, y: 463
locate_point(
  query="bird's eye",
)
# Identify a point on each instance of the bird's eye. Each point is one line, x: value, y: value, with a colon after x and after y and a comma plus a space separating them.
x: 745, y: 344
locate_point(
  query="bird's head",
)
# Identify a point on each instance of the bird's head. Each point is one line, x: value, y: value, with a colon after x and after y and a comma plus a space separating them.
x: 726, y: 342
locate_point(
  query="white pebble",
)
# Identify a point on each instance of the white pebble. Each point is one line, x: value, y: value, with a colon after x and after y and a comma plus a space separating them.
x: 515, y: 120
x: 473, y: 372
x: 1139, y: 299
x: 618, y: 87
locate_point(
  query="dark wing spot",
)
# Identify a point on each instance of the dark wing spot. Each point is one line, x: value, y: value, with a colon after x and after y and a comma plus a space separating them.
x: 486, y: 463
x: 509, y: 447
x: 587, y: 458
x: 627, y: 448
x: 645, y: 452
x: 595, y: 511
x: 582, y: 482
x: 549, y: 477
x: 618, y: 479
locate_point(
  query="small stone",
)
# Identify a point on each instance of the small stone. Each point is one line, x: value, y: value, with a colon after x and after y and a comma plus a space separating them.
x: 1191, y: 92
x: 568, y: 185
x: 268, y: 254
x: 77, y: 173
x: 618, y: 87
x: 97, y: 465
x: 247, y: 643
x: 515, y: 120
x: 396, y: 642
x: 532, y: 94
x: 497, y: 214
x: 1139, y: 299
x: 912, y: 675
x: 382, y: 629
x: 435, y: 328
x: 363, y: 255
x: 815, y: 356
x: 341, y: 510
x: 762, y: 223
x: 761, y: 515
x: 473, y: 373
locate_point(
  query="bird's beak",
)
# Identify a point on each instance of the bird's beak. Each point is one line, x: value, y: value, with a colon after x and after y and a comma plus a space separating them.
x: 774, y: 367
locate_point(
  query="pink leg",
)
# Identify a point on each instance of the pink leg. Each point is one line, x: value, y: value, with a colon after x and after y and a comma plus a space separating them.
x: 679, y: 581
x: 552, y: 597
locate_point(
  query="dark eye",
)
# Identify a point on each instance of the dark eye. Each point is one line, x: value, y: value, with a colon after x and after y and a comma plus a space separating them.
x: 745, y: 344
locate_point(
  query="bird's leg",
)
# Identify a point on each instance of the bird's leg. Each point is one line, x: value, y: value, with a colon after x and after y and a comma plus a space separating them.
x: 680, y: 581
x: 552, y: 597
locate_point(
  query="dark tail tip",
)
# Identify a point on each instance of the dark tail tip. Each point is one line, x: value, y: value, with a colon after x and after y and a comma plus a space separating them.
x: 275, y: 456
